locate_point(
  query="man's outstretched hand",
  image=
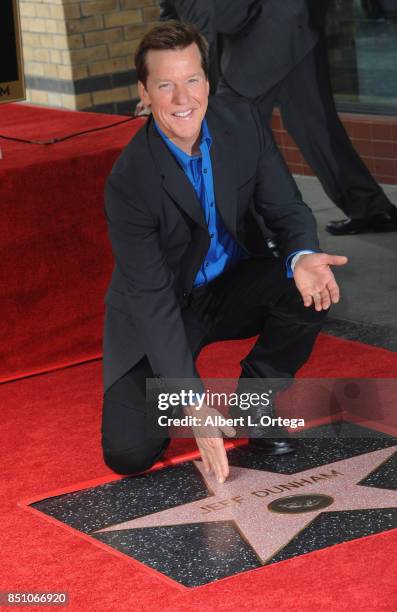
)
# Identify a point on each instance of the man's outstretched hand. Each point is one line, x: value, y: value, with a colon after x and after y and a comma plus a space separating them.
x: 315, y: 280
x: 210, y: 441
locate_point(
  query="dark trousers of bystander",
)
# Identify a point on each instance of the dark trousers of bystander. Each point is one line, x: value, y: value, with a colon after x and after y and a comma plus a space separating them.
x: 309, y: 115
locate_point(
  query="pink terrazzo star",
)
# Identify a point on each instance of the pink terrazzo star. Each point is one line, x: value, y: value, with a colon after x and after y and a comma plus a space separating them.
x: 247, y: 494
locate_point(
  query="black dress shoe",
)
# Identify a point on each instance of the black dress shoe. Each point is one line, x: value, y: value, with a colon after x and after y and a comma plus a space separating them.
x: 264, y: 438
x: 383, y: 222
x: 273, y: 446
x: 270, y: 439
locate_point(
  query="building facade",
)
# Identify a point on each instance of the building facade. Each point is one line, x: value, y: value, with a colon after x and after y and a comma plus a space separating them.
x: 78, y: 54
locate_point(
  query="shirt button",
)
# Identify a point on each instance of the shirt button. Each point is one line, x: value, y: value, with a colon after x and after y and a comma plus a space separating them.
x: 211, y: 235
x: 205, y: 170
x: 212, y: 204
x: 207, y: 264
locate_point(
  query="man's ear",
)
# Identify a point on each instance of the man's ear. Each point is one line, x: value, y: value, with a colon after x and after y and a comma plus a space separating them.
x: 143, y: 94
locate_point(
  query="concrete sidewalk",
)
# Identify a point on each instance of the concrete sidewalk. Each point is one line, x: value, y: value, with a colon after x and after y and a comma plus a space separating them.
x: 368, y: 308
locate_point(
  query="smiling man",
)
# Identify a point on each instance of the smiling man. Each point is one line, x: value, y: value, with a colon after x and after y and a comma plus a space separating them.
x: 185, y: 203
x: 180, y: 103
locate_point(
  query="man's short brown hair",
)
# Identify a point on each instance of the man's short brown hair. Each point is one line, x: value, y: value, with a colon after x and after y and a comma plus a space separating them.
x: 169, y: 35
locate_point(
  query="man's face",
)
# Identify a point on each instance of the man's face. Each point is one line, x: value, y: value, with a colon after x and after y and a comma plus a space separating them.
x: 177, y: 92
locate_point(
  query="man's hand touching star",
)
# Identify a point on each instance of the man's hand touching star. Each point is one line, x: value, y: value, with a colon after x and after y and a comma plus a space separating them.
x: 315, y: 281
x: 210, y: 441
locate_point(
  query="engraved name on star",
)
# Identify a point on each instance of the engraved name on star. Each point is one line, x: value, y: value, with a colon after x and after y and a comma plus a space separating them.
x: 245, y: 498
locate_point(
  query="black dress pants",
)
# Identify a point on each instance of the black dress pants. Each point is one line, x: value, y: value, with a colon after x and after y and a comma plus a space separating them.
x: 254, y: 297
x: 309, y: 114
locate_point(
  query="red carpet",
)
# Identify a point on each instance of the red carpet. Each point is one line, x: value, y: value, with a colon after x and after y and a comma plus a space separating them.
x: 54, y: 240
x: 53, y: 246
x: 51, y: 440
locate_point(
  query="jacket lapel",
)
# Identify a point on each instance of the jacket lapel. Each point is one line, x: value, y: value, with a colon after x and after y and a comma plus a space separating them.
x: 175, y: 181
x: 224, y: 167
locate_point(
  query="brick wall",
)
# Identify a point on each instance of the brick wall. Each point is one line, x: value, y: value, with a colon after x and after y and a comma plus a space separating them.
x: 78, y: 54
x: 374, y: 137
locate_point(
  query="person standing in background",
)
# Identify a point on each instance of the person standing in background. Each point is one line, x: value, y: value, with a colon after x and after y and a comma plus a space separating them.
x: 275, y: 53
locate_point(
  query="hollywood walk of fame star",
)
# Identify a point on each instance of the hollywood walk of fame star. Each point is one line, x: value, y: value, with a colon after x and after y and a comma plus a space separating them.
x: 248, y: 499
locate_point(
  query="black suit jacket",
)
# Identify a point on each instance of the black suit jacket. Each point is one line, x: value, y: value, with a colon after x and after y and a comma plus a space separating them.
x: 258, y: 41
x: 159, y: 236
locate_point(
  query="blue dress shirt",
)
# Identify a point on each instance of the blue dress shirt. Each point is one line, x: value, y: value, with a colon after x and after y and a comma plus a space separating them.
x: 224, y: 250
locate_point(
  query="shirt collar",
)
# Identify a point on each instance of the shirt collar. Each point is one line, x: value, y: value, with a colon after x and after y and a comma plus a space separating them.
x: 205, y: 134
x: 184, y: 158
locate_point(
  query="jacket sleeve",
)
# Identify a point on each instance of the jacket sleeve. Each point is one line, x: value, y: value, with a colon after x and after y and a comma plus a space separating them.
x: 199, y: 12
x: 149, y: 287
x: 212, y: 17
x: 278, y: 199
x: 167, y: 11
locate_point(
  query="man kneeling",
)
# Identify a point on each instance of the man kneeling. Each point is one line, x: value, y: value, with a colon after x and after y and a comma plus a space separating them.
x: 184, y: 204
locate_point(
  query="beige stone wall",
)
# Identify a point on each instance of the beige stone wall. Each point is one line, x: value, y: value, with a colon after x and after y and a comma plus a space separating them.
x: 78, y: 54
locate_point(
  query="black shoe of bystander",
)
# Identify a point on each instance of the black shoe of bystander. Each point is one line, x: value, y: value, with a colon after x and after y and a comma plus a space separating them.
x: 382, y: 222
